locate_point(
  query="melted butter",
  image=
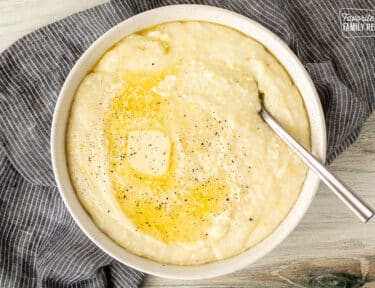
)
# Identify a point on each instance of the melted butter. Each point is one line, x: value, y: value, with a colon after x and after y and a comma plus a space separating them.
x: 174, y: 206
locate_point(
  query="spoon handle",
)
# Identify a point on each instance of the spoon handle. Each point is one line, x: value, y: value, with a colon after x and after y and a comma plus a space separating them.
x: 353, y: 201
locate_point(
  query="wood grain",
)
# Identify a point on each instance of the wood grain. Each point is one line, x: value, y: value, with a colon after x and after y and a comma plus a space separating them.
x: 329, y: 248
x: 309, y: 273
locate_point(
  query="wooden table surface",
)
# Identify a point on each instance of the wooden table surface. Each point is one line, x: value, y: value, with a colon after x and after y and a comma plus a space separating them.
x: 329, y: 248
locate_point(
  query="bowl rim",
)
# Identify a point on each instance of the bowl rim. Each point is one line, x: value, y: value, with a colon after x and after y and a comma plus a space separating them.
x: 186, y: 12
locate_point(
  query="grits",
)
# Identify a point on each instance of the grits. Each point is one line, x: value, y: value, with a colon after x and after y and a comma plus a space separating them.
x: 167, y: 152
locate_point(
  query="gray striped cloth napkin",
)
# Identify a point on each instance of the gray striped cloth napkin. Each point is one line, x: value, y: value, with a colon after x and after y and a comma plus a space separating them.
x: 40, y: 245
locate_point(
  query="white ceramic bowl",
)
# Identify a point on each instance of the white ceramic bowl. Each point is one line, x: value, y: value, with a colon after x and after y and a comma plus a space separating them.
x: 179, y: 13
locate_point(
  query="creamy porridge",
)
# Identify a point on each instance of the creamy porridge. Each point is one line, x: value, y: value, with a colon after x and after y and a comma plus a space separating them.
x: 167, y: 152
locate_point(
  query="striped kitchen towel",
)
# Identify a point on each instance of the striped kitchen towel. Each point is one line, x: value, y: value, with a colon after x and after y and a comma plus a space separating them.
x: 40, y: 245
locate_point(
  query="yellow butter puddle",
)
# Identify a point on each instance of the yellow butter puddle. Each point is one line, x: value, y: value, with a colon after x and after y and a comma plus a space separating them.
x: 174, y: 207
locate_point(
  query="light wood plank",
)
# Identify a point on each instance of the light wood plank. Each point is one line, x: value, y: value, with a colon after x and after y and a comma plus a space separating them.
x: 320, y: 272
x: 18, y: 17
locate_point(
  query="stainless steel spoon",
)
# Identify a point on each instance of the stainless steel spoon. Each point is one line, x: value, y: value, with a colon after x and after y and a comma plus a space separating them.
x: 353, y: 201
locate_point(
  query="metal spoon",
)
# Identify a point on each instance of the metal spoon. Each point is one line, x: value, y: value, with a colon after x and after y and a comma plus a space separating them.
x: 353, y: 201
